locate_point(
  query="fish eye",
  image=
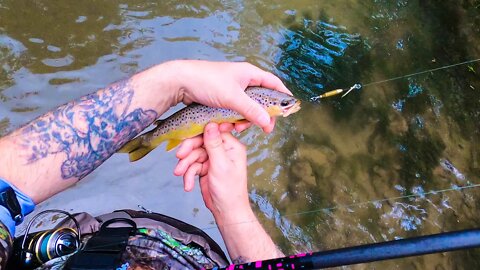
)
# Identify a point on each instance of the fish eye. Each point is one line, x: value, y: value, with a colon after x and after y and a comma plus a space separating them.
x: 284, y: 103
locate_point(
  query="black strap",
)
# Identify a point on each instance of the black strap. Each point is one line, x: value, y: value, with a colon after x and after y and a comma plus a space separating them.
x: 9, y: 200
x: 103, y: 251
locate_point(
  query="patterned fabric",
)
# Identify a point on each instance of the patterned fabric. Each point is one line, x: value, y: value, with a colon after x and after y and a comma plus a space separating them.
x: 152, y: 249
x: 155, y: 249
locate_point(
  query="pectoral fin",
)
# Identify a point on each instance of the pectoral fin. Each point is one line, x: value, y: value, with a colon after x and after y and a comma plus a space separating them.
x: 172, y: 144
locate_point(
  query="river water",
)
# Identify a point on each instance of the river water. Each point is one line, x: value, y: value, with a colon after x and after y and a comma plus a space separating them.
x: 395, y: 159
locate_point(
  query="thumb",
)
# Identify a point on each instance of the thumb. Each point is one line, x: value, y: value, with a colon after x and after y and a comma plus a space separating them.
x: 251, y: 110
x: 214, y: 144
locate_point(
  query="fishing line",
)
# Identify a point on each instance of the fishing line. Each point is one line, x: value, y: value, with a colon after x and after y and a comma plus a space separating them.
x: 423, y: 72
x: 421, y: 195
x: 347, y: 206
x: 358, y: 85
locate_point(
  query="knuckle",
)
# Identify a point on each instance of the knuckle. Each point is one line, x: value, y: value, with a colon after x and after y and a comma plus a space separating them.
x: 212, y: 144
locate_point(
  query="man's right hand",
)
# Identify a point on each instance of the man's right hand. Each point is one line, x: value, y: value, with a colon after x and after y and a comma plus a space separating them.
x: 222, y: 167
x: 224, y: 187
x: 223, y: 182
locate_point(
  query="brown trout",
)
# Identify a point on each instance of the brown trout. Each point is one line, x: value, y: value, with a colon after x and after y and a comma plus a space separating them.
x: 191, y: 120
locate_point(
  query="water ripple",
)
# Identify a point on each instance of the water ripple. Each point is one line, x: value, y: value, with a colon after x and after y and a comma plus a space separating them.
x: 310, y: 53
x: 289, y: 230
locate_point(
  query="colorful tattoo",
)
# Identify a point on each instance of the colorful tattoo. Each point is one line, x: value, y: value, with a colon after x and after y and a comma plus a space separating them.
x: 88, y: 130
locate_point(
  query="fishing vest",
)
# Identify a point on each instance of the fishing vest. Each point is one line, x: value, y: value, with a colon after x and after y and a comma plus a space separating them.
x: 159, y: 242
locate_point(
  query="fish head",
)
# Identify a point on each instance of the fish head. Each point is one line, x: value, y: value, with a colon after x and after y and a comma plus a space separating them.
x: 275, y: 102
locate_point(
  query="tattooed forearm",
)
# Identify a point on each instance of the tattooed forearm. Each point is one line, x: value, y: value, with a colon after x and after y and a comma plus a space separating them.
x: 87, y: 131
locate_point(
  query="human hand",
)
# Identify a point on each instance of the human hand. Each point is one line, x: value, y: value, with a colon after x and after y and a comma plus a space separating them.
x: 192, y: 154
x: 191, y: 151
x: 223, y: 182
x: 222, y: 168
x: 223, y: 84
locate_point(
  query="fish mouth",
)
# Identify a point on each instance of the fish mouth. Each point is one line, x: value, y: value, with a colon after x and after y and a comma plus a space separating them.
x: 290, y: 109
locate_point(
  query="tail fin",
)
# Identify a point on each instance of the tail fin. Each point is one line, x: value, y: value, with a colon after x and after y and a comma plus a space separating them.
x: 136, y: 149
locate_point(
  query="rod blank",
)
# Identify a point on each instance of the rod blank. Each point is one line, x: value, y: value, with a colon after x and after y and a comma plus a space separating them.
x: 436, y: 243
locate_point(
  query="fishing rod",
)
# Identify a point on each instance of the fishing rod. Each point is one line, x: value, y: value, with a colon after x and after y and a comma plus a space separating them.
x: 358, y: 86
x: 435, y: 243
